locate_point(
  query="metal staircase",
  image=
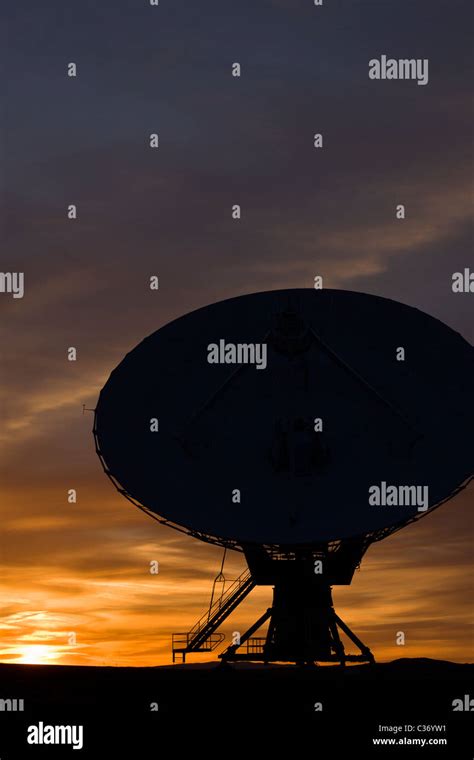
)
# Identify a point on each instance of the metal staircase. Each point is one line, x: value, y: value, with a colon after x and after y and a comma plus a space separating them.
x: 202, y: 636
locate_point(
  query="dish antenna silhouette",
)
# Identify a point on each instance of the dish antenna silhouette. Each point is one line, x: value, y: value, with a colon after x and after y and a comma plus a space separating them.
x: 359, y: 423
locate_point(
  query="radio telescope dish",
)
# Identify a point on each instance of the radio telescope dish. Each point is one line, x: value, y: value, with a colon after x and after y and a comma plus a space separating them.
x: 267, y: 422
x: 227, y: 426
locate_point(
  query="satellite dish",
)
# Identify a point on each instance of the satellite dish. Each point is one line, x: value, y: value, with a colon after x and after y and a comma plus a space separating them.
x: 293, y: 424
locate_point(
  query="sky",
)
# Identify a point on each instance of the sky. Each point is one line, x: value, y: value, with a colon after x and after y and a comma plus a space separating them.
x: 83, y: 568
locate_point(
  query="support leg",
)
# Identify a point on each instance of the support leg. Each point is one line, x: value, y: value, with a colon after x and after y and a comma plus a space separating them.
x: 233, y: 647
x: 365, y: 650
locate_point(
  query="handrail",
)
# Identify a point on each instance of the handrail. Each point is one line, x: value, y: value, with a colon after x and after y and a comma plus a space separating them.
x: 202, y: 636
x: 219, y: 603
x: 181, y: 642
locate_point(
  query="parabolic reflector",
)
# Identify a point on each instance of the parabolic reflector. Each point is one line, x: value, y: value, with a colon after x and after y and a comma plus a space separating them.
x: 333, y: 361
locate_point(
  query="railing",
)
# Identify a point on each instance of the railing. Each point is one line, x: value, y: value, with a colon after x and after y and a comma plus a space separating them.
x: 202, y: 636
x: 181, y: 641
x: 254, y: 645
x: 239, y: 582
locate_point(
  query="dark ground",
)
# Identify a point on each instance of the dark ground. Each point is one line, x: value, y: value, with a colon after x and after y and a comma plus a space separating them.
x: 200, y: 704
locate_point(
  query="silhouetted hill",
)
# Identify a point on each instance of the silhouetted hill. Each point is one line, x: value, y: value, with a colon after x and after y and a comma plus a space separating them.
x: 344, y: 707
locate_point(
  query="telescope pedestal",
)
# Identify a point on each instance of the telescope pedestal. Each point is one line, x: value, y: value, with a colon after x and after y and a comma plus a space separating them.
x: 304, y: 627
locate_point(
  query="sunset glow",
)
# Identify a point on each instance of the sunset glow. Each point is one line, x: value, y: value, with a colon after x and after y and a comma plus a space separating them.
x: 75, y: 581
x: 35, y: 654
x: 86, y: 580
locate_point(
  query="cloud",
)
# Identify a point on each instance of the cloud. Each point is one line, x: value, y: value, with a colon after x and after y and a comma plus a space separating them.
x: 84, y: 566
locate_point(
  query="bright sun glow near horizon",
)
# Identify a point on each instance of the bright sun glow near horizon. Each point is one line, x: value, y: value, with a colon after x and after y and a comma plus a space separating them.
x: 36, y: 654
